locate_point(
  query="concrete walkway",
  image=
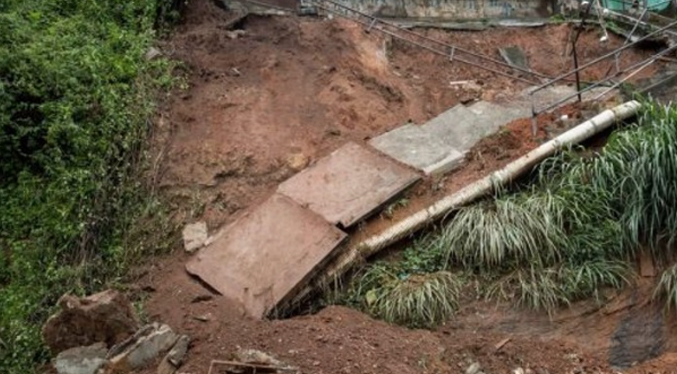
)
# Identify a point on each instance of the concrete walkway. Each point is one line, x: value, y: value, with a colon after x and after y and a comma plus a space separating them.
x: 440, y: 145
x: 276, y: 247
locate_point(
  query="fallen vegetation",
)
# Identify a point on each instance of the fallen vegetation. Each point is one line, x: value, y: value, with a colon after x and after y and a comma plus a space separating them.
x: 564, y: 237
x: 76, y: 96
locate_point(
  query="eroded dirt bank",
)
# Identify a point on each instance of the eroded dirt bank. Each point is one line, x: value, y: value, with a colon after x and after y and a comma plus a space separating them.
x: 287, y: 91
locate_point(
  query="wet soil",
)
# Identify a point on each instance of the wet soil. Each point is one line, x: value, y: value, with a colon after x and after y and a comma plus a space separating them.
x: 286, y: 89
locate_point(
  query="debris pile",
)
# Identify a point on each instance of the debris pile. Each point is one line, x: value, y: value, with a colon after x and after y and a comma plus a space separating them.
x: 101, y: 334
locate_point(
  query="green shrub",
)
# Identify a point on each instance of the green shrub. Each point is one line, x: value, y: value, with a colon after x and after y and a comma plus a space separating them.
x: 76, y: 95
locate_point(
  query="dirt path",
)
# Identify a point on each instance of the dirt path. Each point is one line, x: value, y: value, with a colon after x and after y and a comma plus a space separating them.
x: 290, y: 90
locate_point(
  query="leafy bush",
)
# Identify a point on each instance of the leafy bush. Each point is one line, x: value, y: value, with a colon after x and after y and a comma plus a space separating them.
x: 76, y: 95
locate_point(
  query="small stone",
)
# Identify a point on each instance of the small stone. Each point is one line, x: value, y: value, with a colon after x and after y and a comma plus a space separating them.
x: 203, y: 317
x: 201, y: 298
x: 166, y: 367
x: 518, y: 371
x: 253, y: 356
x: 141, y: 349
x: 297, y: 161
x: 194, y: 236
x: 178, y: 352
x: 81, y: 360
x: 474, y: 368
x: 235, y: 34
x: 173, y: 360
x: 153, y: 53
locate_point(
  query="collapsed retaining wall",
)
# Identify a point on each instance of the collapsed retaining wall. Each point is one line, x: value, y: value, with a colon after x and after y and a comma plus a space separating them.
x: 429, y: 9
x: 455, y: 9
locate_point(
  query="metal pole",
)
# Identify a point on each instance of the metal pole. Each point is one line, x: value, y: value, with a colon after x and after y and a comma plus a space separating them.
x: 604, y: 57
x: 602, y: 82
x: 575, y: 52
x: 578, y: 76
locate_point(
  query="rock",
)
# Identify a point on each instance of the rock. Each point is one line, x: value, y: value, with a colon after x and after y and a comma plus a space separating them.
x: 153, y: 53
x: 203, y: 317
x: 474, y: 368
x: 173, y: 360
x: 166, y: 367
x: 141, y: 349
x: 81, y: 360
x: 253, y: 356
x: 297, y: 161
x: 235, y: 34
x: 201, y: 298
x: 106, y: 317
x: 518, y: 371
x: 178, y: 352
x: 194, y: 236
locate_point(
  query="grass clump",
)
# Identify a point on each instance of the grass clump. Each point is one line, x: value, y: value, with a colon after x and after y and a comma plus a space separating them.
x: 667, y: 287
x: 504, y: 232
x: 414, y: 291
x: 574, y: 231
x: 421, y: 300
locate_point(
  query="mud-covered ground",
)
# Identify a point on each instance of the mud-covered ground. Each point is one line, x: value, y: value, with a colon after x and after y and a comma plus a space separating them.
x: 263, y: 102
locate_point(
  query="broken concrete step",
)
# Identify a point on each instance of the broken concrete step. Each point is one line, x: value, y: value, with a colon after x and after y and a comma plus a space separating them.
x: 456, y: 128
x: 412, y: 146
x: 435, y: 147
x: 494, y: 116
x: 261, y: 257
x: 349, y: 184
x: 439, y: 145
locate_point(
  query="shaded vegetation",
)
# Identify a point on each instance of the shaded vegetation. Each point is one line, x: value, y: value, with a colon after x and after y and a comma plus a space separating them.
x: 566, y: 237
x: 76, y: 96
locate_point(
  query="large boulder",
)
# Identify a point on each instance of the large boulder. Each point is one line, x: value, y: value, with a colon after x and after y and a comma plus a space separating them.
x: 106, y: 317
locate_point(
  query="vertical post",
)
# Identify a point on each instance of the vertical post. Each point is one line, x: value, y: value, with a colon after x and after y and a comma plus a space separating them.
x: 588, y: 6
x: 578, y: 75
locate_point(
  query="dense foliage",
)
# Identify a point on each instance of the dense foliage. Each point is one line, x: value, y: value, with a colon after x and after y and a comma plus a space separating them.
x: 76, y: 96
x: 572, y: 233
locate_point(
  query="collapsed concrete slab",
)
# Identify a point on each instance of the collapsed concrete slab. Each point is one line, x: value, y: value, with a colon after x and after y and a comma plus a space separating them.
x: 264, y: 255
x: 349, y: 184
x: 412, y: 146
x: 439, y: 145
